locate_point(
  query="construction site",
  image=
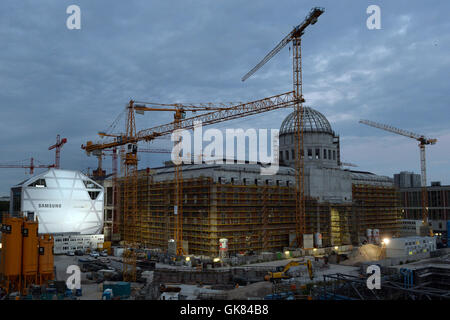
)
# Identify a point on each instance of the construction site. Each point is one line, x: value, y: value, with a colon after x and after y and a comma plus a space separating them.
x: 251, y: 217
x: 207, y: 227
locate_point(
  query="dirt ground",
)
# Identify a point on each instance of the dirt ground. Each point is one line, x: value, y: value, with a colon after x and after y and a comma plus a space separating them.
x: 368, y: 252
x: 254, y: 290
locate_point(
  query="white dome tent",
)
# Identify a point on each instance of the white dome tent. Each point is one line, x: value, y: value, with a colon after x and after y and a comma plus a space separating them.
x: 64, y: 201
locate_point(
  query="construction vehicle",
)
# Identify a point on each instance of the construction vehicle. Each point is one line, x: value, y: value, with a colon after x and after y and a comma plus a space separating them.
x: 425, y: 230
x: 277, y: 276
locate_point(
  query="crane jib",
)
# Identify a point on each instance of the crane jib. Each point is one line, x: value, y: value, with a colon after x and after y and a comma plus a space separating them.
x: 283, y: 100
x: 297, y: 32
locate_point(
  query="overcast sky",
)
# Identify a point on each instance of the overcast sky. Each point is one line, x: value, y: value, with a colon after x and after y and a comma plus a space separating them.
x: 75, y: 82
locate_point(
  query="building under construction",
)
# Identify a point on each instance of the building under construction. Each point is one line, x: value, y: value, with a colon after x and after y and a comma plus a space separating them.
x: 257, y: 213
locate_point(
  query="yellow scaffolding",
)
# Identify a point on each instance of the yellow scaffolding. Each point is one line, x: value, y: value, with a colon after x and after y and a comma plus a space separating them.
x: 253, y: 217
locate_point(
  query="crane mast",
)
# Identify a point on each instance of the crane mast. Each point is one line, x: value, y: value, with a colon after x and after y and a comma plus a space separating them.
x: 130, y: 227
x: 423, y: 141
x: 57, y: 146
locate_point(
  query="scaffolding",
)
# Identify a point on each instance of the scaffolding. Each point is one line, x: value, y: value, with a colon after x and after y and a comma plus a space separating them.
x: 251, y: 217
x: 376, y: 207
x: 254, y: 218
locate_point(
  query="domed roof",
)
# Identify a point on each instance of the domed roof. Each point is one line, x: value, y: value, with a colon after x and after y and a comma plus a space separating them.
x: 313, y: 121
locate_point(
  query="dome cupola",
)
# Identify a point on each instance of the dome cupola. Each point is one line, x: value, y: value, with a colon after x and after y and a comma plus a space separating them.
x: 313, y: 121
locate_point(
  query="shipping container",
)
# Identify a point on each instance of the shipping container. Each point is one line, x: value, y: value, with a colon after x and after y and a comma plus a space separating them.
x: 120, y: 289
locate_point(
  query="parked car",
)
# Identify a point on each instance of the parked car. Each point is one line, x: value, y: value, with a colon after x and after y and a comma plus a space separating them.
x: 94, y: 254
x: 79, y: 252
x: 70, y: 253
x: 103, y: 254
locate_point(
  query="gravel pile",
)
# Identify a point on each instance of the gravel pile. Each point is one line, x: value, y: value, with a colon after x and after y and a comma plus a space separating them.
x: 254, y: 290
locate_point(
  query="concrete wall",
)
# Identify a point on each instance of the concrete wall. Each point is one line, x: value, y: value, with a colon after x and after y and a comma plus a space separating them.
x: 238, y: 174
x: 329, y: 185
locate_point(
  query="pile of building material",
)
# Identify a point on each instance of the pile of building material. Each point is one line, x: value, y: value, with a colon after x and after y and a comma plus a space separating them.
x: 92, y: 265
x: 254, y: 290
x: 367, y: 252
x: 370, y: 252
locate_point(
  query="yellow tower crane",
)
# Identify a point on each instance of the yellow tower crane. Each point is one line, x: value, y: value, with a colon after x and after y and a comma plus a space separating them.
x: 295, y: 37
x: 132, y: 137
x: 423, y: 141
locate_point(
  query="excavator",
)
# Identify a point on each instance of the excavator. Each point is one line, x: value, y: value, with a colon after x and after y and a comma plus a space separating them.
x: 277, y: 276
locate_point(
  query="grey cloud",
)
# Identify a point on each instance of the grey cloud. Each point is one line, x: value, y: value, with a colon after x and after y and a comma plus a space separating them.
x: 75, y: 83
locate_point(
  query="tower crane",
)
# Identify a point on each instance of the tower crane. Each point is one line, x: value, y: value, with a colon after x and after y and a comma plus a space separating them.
x: 31, y: 166
x: 130, y: 187
x: 99, y: 172
x: 155, y: 150
x: 179, y: 114
x: 423, y: 141
x: 295, y: 37
x: 57, y: 146
x: 132, y: 137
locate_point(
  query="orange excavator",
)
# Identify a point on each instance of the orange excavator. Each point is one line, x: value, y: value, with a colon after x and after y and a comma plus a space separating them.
x: 277, y: 276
